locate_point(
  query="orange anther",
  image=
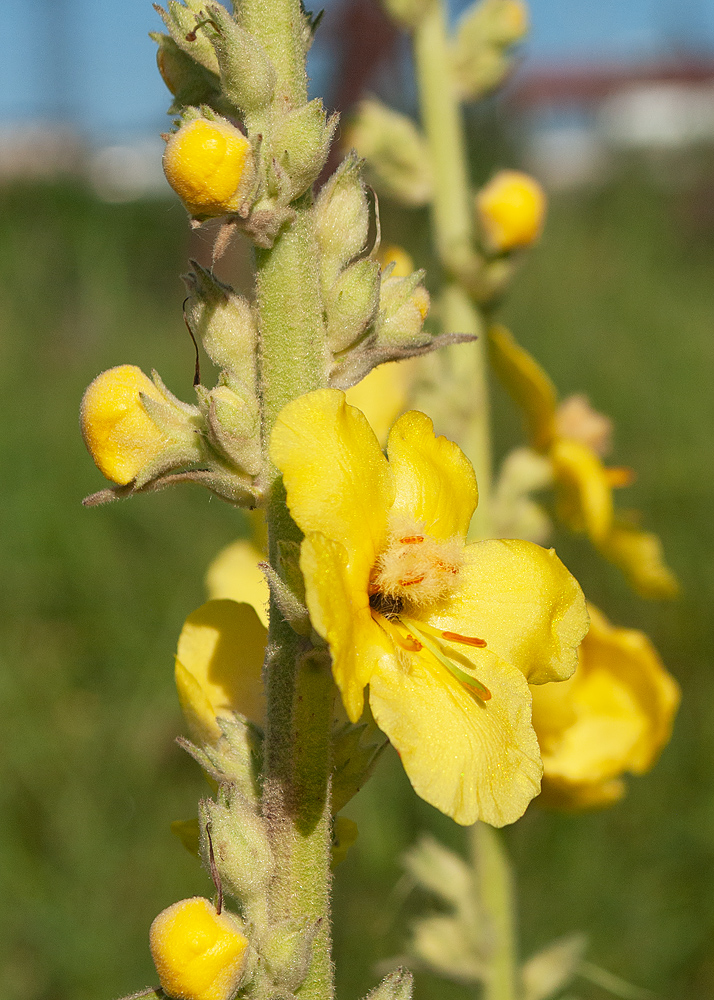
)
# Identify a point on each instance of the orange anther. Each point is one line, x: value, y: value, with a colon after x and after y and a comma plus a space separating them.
x: 410, y: 583
x: 480, y: 690
x: 620, y: 475
x: 411, y: 539
x: 466, y: 639
x: 411, y: 644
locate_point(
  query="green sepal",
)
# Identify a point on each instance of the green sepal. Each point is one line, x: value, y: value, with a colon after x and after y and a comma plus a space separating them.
x: 396, y: 986
x: 246, y: 71
x: 356, y: 749
x: 341, y: 219
x: 233, y: 426
x: 286, y: 950
x: 351, y: 303
x: 289, y: 567
x: 182, y: 21
x: 235, y: 833
x: 187, y: 80
x: 225, y: 324
x: 236, y: 758
x: 298, y: 150
x: 292, y: 610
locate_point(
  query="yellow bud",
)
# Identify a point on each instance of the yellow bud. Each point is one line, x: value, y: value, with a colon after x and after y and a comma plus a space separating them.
x: 393, y: 254
x: 199, y: 954
x: 210, y: 167
x: 120, y: 435
x: 511, y: 210
x: 421, y: 300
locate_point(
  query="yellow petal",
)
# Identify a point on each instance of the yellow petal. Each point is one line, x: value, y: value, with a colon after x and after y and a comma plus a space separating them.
x: 337, y: 479
x: 222, y: 646
x: 471, y: 759
x: 511, y: 210
x: 199, y: 954
x: 522, y: 600
x: 196, y: 706
x: 526, y: 383
x: 435, y: 482
x: 640, y: 557
x: 208, y: 164
x: 118, y: 432
x: 584, y: 500
x: 340, y: 613
x: 613, y: 716
x: 235, y: 575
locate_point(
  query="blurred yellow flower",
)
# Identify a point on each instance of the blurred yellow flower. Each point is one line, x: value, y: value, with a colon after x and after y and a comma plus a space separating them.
x: 396, y: 255
x: 209, y: 164
x: 118, y: 432
x: 383, y: 394
x: 613, y: 716
x: 445, y: 634
x: 511, y: 211
x: 575, y: 438
x: 199, y: 954
x: 218, y: 666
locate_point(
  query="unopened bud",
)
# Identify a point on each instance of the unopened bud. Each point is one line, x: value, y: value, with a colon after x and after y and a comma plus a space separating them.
x: 199, y: 954
x: 351, y: 303
x: 341, y: 218
x: 247, y: 73
x: 234, y: 427
x: 183, y: 22
x: 403, y: 307
x: 397, y: 155
x: 299, y: 148
x: 224, y: 323
x: 118, y: 422
x: 484, y: 36
x: 188, y: 81
x: 209, y: 164
x: 511, y: 211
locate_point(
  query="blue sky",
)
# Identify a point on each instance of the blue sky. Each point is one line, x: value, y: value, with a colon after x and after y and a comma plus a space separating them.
x: 91, y: 60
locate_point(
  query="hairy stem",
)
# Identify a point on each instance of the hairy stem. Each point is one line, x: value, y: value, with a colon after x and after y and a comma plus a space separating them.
x: 498, y: 900
x: 452, y: 220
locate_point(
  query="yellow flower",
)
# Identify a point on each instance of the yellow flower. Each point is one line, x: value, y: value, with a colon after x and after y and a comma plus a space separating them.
x: 218, y: 666
x: 199, y: 954
x: 445, y: 634
x: 511, y: 210
x: 613, y: 716
x: 209, y: 164
x: 574, y: 437
x: 383, y: 394
x: 118, y: 432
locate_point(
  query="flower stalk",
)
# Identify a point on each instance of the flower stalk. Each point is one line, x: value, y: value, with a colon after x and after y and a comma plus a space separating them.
x: 453, y: 228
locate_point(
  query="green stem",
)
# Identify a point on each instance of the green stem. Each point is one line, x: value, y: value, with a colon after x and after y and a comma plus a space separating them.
x: 299, y: 691
x: 498, y: 901
x: 452, y: 219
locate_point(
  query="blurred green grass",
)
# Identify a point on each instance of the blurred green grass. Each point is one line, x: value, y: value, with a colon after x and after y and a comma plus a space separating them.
x: 616, y: 302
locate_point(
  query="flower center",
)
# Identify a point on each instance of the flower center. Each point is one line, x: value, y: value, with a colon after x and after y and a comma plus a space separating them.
x: 415, y: 569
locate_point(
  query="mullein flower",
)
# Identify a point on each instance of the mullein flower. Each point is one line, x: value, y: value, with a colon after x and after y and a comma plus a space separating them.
x: 511, y: 211
x: 132, y: 428
x: 199, y: 953
x: 209, y: 164
x: 574, y: 439
x: 613, y: 716
x: 445, y: 634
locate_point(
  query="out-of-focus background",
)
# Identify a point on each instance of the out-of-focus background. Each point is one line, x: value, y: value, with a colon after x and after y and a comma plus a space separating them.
x: 612, y: 107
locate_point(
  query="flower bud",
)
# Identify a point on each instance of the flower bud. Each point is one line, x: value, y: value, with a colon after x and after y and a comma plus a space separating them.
x: 224, y: 323
x: 123, y: 437
x: 209, y: 164
x: 199, y: 954
x: 341, y: 218
x: 397, y: 155
x: 407, y: 13
x: 403, y: 307
x: 511, y: 211
x: 299, y: 146
x: 182, y: 20
x: 240, y: 845
x: 188, y: 81
x: 351, y: 303
x: 247, y: 73
x: 484, y: 35
x: 234, y: 427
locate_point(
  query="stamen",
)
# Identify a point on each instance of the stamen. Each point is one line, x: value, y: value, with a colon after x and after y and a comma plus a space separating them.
x: 468, y: 640
x: 406, y: 642
x: 475, y: 686
x: 413, y: 581
x: 411, y: 539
